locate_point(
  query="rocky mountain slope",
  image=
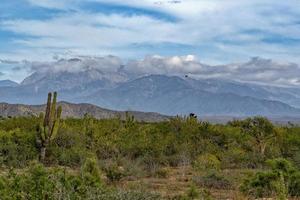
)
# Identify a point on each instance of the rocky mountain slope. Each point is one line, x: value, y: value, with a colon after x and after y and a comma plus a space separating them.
x: 77, y: 111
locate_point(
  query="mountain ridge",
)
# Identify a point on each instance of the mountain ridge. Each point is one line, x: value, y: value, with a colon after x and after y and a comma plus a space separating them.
x: 78, y: 111
x: 177, y: 96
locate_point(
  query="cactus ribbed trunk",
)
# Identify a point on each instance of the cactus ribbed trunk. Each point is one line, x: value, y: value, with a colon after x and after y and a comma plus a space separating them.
x: 42, y: 154
x: 47, y: 114
x: 49, y: 125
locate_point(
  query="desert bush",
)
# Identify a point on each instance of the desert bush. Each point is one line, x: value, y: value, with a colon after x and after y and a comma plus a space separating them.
x: 17, y: 148
x: 260, y: 185
x: 162, y: 173
x: 234, y: 158
x: 42, y: 183
x: 68, y: 149
x: 294, y: 184
x: 132, y: 195
x: 194, y: 193
x: 207, y: 162
x: 281, y: 180
x: 91, y: 173
x: 132, y: 168
x: 212, y: 180
x: 141, y: 149
x: 114, y: 173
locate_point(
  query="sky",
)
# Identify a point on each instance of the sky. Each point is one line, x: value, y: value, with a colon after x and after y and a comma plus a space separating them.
x: 214, y: 31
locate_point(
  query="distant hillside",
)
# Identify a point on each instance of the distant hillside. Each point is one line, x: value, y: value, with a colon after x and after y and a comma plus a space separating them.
x: 77, y: 111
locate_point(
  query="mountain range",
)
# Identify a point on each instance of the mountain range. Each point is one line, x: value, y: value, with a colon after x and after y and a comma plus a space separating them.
x: 77, y: 111
x: 177, y: 94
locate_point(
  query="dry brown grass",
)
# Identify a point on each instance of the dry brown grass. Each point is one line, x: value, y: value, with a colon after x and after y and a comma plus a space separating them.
x: 179, y: 181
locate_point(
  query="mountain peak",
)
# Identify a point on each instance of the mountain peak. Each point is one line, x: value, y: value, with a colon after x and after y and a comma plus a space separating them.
x: 8, y: 83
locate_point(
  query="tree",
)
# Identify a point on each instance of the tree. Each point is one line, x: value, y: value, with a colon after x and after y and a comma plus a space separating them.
x: 49, y: 124
x: 261, y: 130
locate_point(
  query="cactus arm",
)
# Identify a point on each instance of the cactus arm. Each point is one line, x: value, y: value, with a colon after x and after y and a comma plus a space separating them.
x: 42, y: 133
x: 56, y: 123
x: 46, y: 119
x: 47, y: 132
x: 54, y: 130
x: 53, y: 108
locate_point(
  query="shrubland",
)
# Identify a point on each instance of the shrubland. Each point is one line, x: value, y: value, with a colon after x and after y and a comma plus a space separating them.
x: 182, y: 158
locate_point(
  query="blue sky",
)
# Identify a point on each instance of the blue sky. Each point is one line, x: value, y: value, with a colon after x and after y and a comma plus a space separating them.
x: 216, y: 31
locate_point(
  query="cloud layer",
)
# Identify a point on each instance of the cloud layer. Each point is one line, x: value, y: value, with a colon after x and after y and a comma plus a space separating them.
x: 257, y: 70
x: 216, y: 31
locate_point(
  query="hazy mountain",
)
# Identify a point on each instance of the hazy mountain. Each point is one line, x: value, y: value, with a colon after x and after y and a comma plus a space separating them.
x: 173, y: 95
x: 80, y: 80
x: 8, y: 83
x: 76, y: 111
x: 289, y: 95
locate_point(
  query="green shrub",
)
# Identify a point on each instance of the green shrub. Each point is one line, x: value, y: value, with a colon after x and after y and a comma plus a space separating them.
x: 91, y: 172
x: 282, y: 180
x: 162, y: 173
x: 41, y: 183
x: 234, y: 158
x: 17, y: 148
x: 294, y: 184
x: 114, y: 173
x: 194, y: 193
x: 260, y: 185
x: 207, y: 162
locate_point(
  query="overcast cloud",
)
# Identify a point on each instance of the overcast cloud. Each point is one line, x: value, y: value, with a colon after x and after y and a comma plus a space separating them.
x: 215, y: 31
x: 256, y: 70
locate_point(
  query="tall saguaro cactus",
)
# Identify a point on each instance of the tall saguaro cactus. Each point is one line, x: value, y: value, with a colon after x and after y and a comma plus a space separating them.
x: 49, y: 124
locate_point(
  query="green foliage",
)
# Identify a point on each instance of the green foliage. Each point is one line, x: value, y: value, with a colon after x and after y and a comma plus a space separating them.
x: 126, y: 149
x: 207, y: 162
x: 162, y: 173
x: 129, y: 120
x: 17, y: 148
x: 261, y: 131
x: 282, y: 180
x: 114, y: 173
x: 260, y: 185
x: 91, y: 172
x: 194, y: 193
x: 41, y: 183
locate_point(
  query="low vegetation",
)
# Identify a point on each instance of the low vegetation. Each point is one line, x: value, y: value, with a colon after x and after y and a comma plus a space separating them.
x: 182, y: 158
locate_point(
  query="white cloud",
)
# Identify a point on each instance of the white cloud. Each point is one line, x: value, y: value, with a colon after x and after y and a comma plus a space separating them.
x: 257, y: 70
x: 91, y: 31
x: 230, y: 30
x: 108, y: 64
x: 222, y: 25
x: 58, y: 4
